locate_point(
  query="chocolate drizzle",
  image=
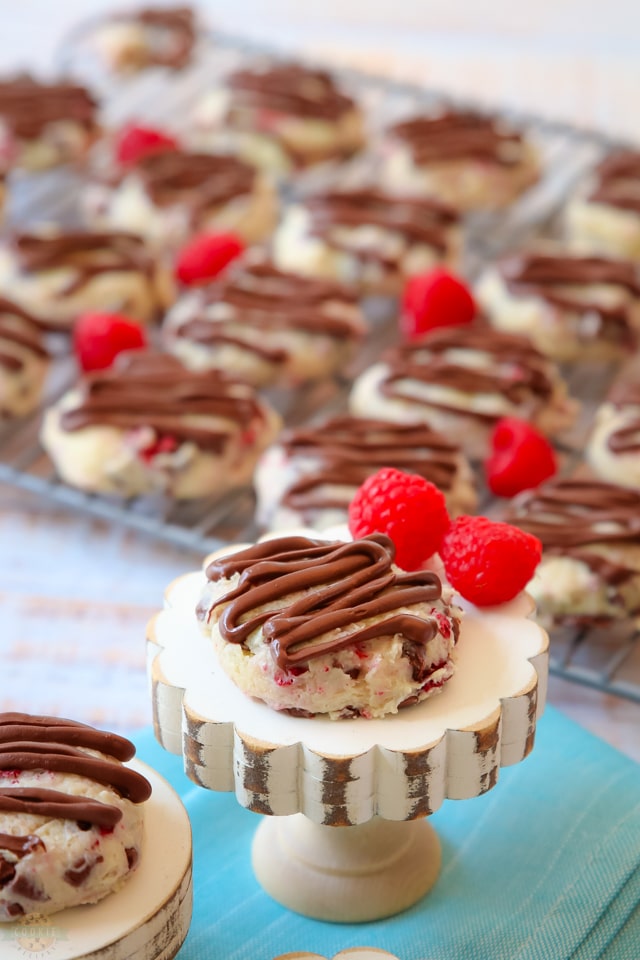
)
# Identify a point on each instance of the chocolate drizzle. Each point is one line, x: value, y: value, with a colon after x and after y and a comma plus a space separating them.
x: 515, y: 369
x: 346, y: 450
x: 626, y: 438
x: 618, y: 181
x: 577, y: 518
x: 199, y: 180
x: 291, y: 88
x: 28, y: 106
x: 87, y: 255
x: 546, y: 276
x: 54, y: 745
x: 420, y: 220
x: 460, y: 135
x: 22, y: 329
x: 343, y: 585
x: 262, y: 298
x: 157, y: 391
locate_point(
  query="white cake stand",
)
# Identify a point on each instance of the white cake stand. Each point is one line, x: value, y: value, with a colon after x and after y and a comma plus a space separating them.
x: 345, y: 836
x: 148, y: 918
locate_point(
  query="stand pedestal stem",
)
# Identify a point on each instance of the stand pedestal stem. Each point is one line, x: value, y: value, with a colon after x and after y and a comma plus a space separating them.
x: 346, y: 874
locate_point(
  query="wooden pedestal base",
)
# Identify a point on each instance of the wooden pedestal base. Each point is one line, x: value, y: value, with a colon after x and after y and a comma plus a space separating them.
x: 346, y: 874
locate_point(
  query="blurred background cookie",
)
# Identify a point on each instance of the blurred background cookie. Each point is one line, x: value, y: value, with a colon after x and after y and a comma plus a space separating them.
x: 170, y: 194
x: 366, y: 237
x: 613, y: 448
x: 283, y: 116
x: 604, y: 216
x: 59, y: 275
x: 148, y: 425
x: 24, y: 361
x: 590, y: 533
x: 267, y: 326
x: 461, y: 381
x: 572, y: 307
x: 310, y: 474
x: 45, y: 125
x: 132, y: 40
x: 472, y: 161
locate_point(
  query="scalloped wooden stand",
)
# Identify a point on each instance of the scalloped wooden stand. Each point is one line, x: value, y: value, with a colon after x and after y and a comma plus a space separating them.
x: 344, y: 837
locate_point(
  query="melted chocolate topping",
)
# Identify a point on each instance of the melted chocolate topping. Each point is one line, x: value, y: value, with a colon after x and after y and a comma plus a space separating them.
x: 156, y: 390
x: 51, y: 744
x: 28, y: 106
x: 573, y: 517
x: 421, y: 221
x: 458, y: 135
x: 542, y: 275
x: 179, y: 22
x: 342, y: 585
x: 618, y: 181
x: 264, y: 298
x: 291, y: 88
x: 86, y: 254
x: 516, y: 369
x: 626, y: 439
x: 19, y: 327
x: 348, y: 449
x: 199, y: 180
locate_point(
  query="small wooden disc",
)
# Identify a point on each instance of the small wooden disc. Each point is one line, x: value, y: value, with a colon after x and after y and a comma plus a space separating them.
x: 147, y: 918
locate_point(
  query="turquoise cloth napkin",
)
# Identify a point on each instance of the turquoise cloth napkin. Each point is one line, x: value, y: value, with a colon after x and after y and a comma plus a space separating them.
x: 546, y: 866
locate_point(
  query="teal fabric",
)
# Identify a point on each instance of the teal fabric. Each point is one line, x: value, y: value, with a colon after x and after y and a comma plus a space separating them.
x: 546, y: 866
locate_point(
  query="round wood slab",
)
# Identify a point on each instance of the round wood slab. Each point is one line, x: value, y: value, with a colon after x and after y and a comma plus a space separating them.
x: 355, y: 775
x: 147, y: 919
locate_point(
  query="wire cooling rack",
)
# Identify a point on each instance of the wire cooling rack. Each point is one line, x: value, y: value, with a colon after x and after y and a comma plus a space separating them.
x: 607, y: 659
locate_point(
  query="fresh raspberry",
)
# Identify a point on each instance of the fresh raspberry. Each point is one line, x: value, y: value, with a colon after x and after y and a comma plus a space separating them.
x: 406, y: 507
x: 489, y: 562
x: 98, y: 338
x: 205, y: 256
x: 435, y: 299
x: 521, y: 458
x: 134, y: 143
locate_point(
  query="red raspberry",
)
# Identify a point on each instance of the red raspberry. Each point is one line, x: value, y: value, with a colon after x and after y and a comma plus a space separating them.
x: 521, y: 458
x: 435, y: 299
x: 98, y: 338
x: 205, y: 256
x: 406, y: 507
x: 488, y: 562
x: 134, y: 143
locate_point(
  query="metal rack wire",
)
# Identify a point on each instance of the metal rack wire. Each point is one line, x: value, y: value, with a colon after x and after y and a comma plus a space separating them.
x: 605, y: 659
